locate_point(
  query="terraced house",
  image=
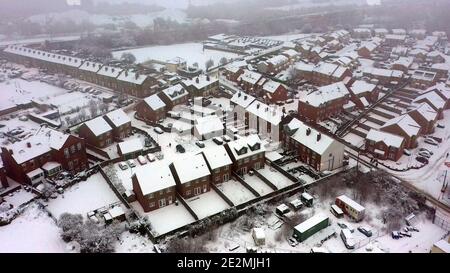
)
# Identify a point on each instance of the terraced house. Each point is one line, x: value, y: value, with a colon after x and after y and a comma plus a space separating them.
x: 246, y: 153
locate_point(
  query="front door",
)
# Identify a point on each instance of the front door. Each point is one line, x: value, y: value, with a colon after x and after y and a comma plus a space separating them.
x: 226, y: 177
x: 244, y: 170
x: 162, y: 202
x: 197, y: 191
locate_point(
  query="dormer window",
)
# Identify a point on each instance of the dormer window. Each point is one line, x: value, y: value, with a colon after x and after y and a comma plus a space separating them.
x: 241, y: 151
x: 255, y: 146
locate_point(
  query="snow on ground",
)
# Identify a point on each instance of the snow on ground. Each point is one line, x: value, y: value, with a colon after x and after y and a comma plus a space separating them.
x: 207, y: 204
x: 236, y: 192
x: 133, y: 243
x: 277, y: 178
x: 167, y: 218
x: 257, y: 184
x: 33, y: 231
x: 19, y: 197
x: 18, y: 91
x: 83, y: 197
x: 191, y: 52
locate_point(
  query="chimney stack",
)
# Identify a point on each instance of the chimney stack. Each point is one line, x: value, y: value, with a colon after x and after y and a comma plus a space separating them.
x: 308, y: 131
x: 319, y: 136
x: 28, y: 144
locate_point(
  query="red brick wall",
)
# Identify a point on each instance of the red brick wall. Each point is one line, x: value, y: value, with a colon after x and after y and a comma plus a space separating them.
x: 97, y: 141
x: 187, y: 189
x: 145, y: 112
x: 151, y: 201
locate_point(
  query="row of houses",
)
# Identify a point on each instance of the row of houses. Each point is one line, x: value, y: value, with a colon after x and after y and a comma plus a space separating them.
x: 156, y: 185
x: 323, y: 73
x: 122, y: 80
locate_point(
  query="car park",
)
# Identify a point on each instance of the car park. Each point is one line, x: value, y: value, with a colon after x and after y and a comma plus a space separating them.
x: 123, y: 166
x: 131, y: 163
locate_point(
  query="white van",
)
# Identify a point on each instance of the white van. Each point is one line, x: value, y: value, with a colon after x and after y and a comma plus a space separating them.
x: 347, y: 238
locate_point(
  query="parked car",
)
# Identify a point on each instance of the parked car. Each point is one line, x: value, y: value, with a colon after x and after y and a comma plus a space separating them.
x: 123, y: 166
x: 151, y: 157
x: 431, y: 141
x: 395, y: 235
x: 218, y: 141
x: 422, y: 159
x: 365, y: 230
x: 226, y: 138
x: 142, y: 160
x: 180, y: 148
x: 425, y: 150
x: 347, y: 238
x: 405, y: 234
x: 131, y: 163
x: 440, y: 125
x: 200, y: 144
x: 158, y: 130
x: 406, y: 152
x: 424, y: 154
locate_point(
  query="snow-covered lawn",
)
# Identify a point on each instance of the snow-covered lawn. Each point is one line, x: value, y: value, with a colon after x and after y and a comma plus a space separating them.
x: 133, y: 243
x: 19, y: 197
x: 167, y: 218
x: 207, y: 204
x: 33, y: 231
x: 274, y: 176
x: 18, y: 91
x: 236, y: 192
x: 191, y: 52
x: 257, y: 184
x: 83, y: 197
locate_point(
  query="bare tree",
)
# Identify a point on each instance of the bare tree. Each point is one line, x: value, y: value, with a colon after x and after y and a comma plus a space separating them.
x: 128, y: 58
x: 93, y: 108
x: 223, y: 60
x: 208, y: 64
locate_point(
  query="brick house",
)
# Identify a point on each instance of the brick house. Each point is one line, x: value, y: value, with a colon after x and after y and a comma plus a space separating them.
x: 367, y: 49
x: 435, y: 57
x: 3, y: 178
x: 361, y: 90
x: 435, y: 101
x: 202, y: 86
x: 403, y: 64
x: 219, y: 163
x: 154, y: 186
x: 328, y: 73
x: 273, y: 65
x: 246, y: 153
x: 327, y: 101
x: 192, y: 175
x: 314, y: 148
x: 384, y: 76
x: 274, y: 91
x: 248, y: 81
x: 442, y: 91
x: 425, y: 116
x: 136, y: 84
x: 384, y: 145
x: 423, y: 79
x: 107, y: 77
x: 232, y: 72
x: 120, y: 124
x: 174, y: 95
x: 394, y: 39
x: 88, y: 71
x: 44, y: 154
x: 130, y: 149
x: 151, y: 108
x: 404, y: 126
x: 239, y: 102
x: 97, y: 132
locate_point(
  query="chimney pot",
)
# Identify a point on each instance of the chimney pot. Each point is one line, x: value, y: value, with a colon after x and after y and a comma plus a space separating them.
x: 319, y: 136
x: 28, y: 144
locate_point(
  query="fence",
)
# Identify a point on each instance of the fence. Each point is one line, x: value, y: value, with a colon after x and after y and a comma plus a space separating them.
x: 440, y: 221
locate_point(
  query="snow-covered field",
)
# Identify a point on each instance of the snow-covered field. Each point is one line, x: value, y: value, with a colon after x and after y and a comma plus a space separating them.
x: 33, y: 231
x: 83, y: 197
x: 191, y: 52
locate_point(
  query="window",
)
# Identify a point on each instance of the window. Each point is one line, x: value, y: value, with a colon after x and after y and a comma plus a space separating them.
x: 150, y: 196
x: 70, y: 165
x: 79, y: 146
x: 66, y: 152
x: 216, y: 170
x: 152, y: 204
x: 188, y: 192
x: 73, y: 149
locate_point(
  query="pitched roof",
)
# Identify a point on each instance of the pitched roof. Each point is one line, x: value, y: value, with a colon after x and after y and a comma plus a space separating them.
x: 191, y: 168
x: 98, y: 126
x: 325, y: 94
x: 217, y: 157
x: 389, y: 139
x: 118, y: 117
x: 310, y: 140
x: 154, y: 102
x: 154, y: 177
x: 406, y: 123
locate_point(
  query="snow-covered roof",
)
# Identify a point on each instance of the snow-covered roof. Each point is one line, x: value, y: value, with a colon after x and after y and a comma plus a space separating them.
x: 109, y: 71
x: 217, y: 157
x: 423, y: 75
x: 351, y: 203
x: 395, y: 37
x: 278, y: 60
x: 203, y: 81
x: 362, y: 30
x: 91, y: 66
x: 44, y: 56
x: 42, y: 142
x: 242, y: 99
x: 441, y: 88
x: 191, y: 168
x: 389, y: 139
x: 406, y: 123
x: 98, y: 126
x: 404, y: 61
x: 383, y: 72
x: 154, y: 102
x: 245, y: 143
x: 310, y: 222
x: 208, y: 124
x: 381, y: 31
x: 290, y: 53
x: 370, y: 46
x: 426, y: 111
x: 301, y: 66
x: 250, y: 77
x: 118, y: 117
x: 434, y: 99
x: 330, y: 69
x: 360, y: 86
x: 271, y: 114
x: 130, y: 146
x: 116, y: 211
x: 50, y: 165
x: 325, y: 94
x: 399, y: 31
x: 154, y: 177
x: 443, y: 245
x: 132, y: 77
x: 310, y: 139
x: 175, y: 92
x: 271, y: 86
